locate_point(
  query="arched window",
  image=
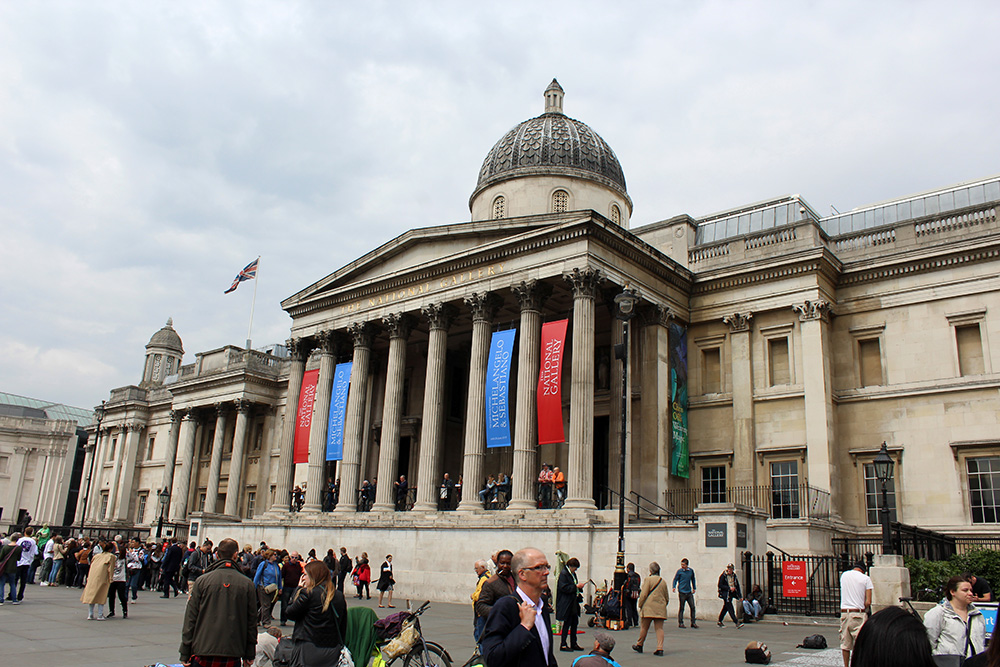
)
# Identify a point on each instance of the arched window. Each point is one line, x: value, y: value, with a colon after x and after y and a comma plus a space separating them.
x: 616, y: 214
x: 499, y: 208
x: 560, y: 201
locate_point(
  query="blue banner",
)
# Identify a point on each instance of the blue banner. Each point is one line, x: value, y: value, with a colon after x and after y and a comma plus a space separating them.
x: 338, y: 410
x: 497, y: 389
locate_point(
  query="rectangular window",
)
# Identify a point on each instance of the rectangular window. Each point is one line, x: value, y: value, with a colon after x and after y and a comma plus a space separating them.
x: 201, y: 501
x: 873, y: 496
x: 258, y: 438
x: 140, y: 508
x: 785, y: 490
x: 149, y: 448
x: 984, y: 488
x: 779, y: 370
x: 3, y: 464
x: 104, y: 505
x: 711, y: 371
x: 870, y: 358
x: 713, y: 484
x: 251, y: 504
x: 111, y: 450
x: 206, y: 446
x: 970, y: 350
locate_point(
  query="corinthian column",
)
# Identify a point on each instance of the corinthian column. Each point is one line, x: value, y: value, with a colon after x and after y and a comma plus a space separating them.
x: 170, y: 456
x: 234, y: 487
x: 483, y: 307
x: 315, y: 479
x: 530, y: 295
x: 581, y: 407
x: 215, y: 469
x: 398, y: 325
x: 439, y: 316
x: 182, y: 482
x: 298, y: 349
x: 350, y: 467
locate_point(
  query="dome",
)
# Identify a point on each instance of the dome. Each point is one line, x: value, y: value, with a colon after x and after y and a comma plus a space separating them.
x: 552, y: 144
x: 167, y: 338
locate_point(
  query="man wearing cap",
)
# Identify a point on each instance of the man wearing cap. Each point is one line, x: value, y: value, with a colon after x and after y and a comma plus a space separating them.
x: 601, y: 655
x: 855, y: 597
x: 220, y: 620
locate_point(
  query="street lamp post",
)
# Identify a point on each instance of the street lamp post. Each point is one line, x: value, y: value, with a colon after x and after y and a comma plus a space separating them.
x: 625, y: 302
x: 883, y: 472
x: 99, y: 412
x: 164, y: 496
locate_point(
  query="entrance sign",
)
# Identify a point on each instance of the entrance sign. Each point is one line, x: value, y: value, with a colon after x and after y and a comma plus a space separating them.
x: 550, y: 415
x: 338, y: 410
x: 304, y: 420
x: 793, y: 579
x: 498, y: 389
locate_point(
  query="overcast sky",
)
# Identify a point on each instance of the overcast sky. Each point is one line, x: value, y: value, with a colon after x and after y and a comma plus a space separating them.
x: 149, y: 150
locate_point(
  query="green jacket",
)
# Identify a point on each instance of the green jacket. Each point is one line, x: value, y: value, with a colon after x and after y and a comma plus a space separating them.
x: 221, y: 615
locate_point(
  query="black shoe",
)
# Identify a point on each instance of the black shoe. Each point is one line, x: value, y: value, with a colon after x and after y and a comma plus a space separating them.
x: 658, y: 651
x: 637, y: 648
x: 565, y: 648
x: 577, y: 647
x: 694, y: 625
x: 681, y: 625
x: 124, y: 614
x: 165, y: 597
x: 111, y: 615
x: 739, y: 625
x: 720, y: 624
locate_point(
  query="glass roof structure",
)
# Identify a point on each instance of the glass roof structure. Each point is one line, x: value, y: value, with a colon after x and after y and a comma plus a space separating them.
x: 52, y: 410
x: 792, y: 208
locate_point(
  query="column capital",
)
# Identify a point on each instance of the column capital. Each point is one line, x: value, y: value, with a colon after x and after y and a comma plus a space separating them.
x: 221, y: 407
x: 813, y: 310
x: 242, y: 405
x: 585, y: 281
x: 439, y: 315
x: 133, y: 426
x: 177, y: 415
x: 738, y: 322
x: 298, y: 348
x: 326, y: 342
x: 193, y: 417
x: 654, y: 313
x: 24, y: 450
x: 484, y: 305
x: 398, y: 324
x: 361, y: 333
x: 531, y: 294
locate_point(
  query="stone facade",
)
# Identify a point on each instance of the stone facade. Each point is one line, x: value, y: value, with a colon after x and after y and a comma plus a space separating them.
x: 809, y: 342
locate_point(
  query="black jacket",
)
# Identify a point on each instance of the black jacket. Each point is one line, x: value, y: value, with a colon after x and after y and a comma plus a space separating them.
x: 567, y: 606
x: 172, y: 559
x: 322, y: 628
x: 724, y: 592
x: 221, y: 615
x: 505, y: 642
x: 345, y: 565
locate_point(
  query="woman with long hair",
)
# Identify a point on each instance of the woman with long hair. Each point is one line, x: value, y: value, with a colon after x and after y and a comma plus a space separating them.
x: 320, y: 614
x: 892, y: 637
x: 956, y: 626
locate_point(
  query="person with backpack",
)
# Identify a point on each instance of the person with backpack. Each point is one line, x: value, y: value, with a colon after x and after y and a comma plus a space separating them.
x: 653, y: 600
x: 633, y: 586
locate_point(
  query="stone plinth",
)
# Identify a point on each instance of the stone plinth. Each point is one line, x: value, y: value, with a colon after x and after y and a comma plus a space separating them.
x: 891, y: 581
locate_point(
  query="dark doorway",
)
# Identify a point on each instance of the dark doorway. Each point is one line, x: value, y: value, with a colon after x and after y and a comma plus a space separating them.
x: 602, y: 429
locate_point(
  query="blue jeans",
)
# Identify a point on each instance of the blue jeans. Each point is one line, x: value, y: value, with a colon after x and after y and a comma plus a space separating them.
x: 5, y: 580
x: 478, y: 625
x: 133, y: 582
x: 56, y: 564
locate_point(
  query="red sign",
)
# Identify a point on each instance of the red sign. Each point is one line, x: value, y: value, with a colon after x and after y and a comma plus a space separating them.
x: 793, y: 579
x: 305, y: 415
x: 550, y: 413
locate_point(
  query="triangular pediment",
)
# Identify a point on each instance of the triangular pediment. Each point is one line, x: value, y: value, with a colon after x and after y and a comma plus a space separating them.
x: 419, y: 248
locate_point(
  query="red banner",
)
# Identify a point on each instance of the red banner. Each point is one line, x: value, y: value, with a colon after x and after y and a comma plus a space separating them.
x: 305, y: 415
x: 793, y: 579
x: 550, y: 414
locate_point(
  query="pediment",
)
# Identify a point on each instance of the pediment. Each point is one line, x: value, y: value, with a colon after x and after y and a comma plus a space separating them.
x: 423, y: 247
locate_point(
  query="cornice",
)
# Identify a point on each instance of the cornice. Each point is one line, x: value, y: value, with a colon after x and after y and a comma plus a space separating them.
x: 815, y: 260
x: 229, y: 379
x: 854, y: 276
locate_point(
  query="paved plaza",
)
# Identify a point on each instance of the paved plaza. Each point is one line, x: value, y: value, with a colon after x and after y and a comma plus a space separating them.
x: 50, y: 628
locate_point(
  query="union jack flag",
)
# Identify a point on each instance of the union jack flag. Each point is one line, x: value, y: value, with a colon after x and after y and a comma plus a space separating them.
x: 249, y: 272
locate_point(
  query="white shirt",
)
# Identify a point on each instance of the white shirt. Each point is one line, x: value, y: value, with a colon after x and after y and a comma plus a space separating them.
x: 853, y: 585
x: 543, y: 632
x: 29, y: 549
x: 49, y: 547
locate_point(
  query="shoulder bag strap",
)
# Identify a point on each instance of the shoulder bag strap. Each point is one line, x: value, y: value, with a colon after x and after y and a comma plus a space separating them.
x: 968, y: 638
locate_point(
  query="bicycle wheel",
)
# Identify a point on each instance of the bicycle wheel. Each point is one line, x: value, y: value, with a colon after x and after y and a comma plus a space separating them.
x: 436, y: 657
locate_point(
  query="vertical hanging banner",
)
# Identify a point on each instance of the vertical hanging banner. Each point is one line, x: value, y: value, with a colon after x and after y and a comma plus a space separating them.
x: 305, y: 416
x: 497, y: 389
x: 550, y: 416
x: 338, y: 410
x: 680, y: 464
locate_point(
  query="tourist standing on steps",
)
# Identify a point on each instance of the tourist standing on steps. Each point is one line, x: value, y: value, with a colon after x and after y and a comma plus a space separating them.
x: 729, y: 590
x: 386, y: 581
x: 685, y: 586
x: 653, y: 601
x: 119, y: 584
x: 102, y: 569
x: 855, y: 596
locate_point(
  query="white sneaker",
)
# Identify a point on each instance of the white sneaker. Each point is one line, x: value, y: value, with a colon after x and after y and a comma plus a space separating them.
x: 100, y: 618
x: 90, y: 618
x: 43, y: 583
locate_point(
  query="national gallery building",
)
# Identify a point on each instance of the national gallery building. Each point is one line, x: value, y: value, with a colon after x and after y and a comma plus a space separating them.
x: 770, y: 353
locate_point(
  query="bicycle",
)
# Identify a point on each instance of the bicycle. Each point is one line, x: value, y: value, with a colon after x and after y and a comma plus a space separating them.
x: 423, y: 653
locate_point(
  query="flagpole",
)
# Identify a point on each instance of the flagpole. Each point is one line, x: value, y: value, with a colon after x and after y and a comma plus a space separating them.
x: 253, y: 303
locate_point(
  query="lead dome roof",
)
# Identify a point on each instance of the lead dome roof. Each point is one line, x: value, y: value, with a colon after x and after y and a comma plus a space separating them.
x: 167, y: 338
x: 552, y: 143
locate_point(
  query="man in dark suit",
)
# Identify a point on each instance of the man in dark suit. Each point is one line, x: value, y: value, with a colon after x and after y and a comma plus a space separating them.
x: 170, y: 566
x: 518, y: 631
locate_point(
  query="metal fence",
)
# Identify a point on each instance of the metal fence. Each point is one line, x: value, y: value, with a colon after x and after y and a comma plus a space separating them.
x: 915, y: 542
x: 822, y: 585
x: 780, y: 502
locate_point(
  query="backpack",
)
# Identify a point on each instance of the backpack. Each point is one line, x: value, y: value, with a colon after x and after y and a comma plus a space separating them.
x: 756, y: 653
x: 813, y: 641
x: 634, y: 586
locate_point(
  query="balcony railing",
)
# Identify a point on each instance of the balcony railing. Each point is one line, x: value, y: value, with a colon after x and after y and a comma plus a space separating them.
x: 780, y: 502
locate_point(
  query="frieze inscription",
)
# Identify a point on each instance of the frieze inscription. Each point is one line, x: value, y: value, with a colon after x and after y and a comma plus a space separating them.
x: 426, y: 287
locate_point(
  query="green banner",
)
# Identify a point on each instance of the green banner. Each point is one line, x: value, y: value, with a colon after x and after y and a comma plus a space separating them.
x: 680, y: 461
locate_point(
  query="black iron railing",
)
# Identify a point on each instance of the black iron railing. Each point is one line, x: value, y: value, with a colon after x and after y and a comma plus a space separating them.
x: 780, y: 502
x: 819, y: 595
x: 916, y: 542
